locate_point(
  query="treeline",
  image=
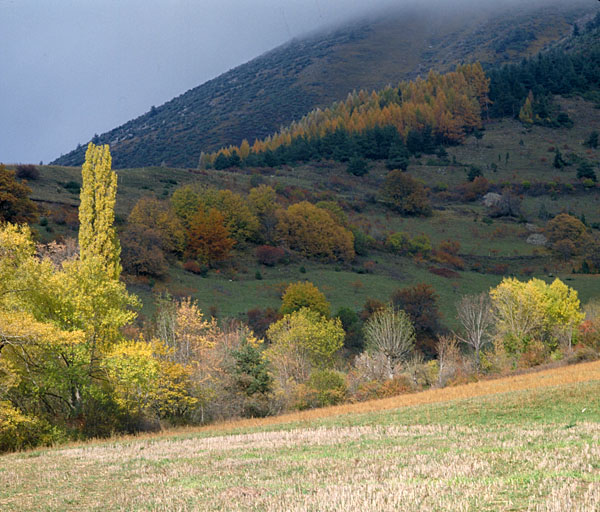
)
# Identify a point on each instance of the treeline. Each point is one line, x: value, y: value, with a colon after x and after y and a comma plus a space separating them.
x: 558, y: 71
x: 417, y: 116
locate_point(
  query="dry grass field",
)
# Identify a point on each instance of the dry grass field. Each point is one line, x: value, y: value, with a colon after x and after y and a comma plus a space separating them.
x: 530, y: 442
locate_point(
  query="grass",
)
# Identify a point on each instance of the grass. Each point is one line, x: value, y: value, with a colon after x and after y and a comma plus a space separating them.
x: 490, y: 249
x: 529, y: 442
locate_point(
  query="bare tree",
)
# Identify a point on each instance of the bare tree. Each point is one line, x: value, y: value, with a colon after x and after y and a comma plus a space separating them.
x: 390, y: 332
x: 448, y: 358
x: 476, y: 316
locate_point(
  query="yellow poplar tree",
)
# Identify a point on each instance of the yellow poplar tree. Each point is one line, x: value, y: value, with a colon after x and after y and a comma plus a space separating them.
x: 97, y: 237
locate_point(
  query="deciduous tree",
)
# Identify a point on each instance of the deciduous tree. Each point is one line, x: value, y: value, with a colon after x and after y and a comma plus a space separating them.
x: 314, y: 232
x: 209, y: 239
x: 309, y: 333
x: 97, y: 237
x: 476, y: 318
x: 15, y: 205
x: 390, y: 332
x: 304, y: 295
x: 404, y: 194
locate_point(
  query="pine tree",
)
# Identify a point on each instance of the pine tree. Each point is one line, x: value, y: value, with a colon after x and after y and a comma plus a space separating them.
x: 97, y: 237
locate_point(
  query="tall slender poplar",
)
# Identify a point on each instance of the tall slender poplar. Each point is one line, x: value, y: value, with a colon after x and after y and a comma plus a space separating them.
x: 97, y: 236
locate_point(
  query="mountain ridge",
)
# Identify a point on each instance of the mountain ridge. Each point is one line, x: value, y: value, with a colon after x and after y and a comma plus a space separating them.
x: 258, y: 97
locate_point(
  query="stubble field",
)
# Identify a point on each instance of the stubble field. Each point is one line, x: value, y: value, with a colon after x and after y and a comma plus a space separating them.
x: 530, y: 442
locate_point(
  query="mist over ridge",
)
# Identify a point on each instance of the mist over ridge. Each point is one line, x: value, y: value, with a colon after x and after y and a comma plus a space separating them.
x: 383, y: 45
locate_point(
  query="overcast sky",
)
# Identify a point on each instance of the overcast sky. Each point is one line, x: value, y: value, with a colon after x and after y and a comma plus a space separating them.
x: 72, y: 68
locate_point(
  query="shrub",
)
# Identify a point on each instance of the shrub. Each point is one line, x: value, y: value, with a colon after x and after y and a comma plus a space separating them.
x: 15, y: 205
x: 324, y: 388
x: 27, y: 172
x: 475, y: 189
x: 404, y: 194
x: 269, y: 255
x: 535, y: 353
x: 19, y: 431
x: 399, y: 385
x: 444, y: 272
x: 195, y: 268
x: 403, y: 244
x: 259, y: 320
x: 447, y: 254
x: 370, y: 306
x: 362, y: 242
x: 582, y: 354
x: 72, y: 186
x: 65, y: 216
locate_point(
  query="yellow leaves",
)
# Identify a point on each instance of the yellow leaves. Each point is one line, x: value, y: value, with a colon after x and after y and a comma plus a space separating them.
x: 97, y: 236
x: 244, y: 149
x: 320, y: 338
x: 304, y: 295
x: 526, y: 112
x: 191, y: 329
x: 450, y: 104
x: 22, y: 329
x: 314, y: 232
x: 144, y: 378
x: 534, y: 309
x: 159, y: 216
x: 262, y: 200
x: 16, y: 243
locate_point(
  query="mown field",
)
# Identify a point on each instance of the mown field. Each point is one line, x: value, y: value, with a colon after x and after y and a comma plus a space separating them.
x: 530, y: 442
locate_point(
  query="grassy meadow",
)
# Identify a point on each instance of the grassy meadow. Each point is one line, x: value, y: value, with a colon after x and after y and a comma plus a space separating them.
x: 527, y: 442
x: 491, y: 248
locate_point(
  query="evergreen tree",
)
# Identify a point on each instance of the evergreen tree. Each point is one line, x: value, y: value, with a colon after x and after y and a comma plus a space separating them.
x: 398, y: 157
x: 357, y: 166
x: 559, y: 162
x: 592, y: 141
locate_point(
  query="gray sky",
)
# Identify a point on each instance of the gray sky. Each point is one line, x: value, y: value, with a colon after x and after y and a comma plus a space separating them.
x: 72, y: 68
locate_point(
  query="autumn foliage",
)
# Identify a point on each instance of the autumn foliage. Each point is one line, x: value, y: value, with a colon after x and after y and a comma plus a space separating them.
x: 313, y: 232
x: 15, y: 205
x: 448, y: 105
x: 403, y: 193
x: 209, y: 238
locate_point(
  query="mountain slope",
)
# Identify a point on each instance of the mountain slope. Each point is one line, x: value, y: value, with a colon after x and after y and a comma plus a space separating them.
x: 258, y: 97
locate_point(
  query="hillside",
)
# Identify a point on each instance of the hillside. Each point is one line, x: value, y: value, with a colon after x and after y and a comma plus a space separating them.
x: 490, y: 247
x: 522, y: 443
x: 255, y: 99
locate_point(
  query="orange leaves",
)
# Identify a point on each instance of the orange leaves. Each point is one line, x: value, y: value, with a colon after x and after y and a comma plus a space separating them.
x: 209, y: 238
x: 450, y: 104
